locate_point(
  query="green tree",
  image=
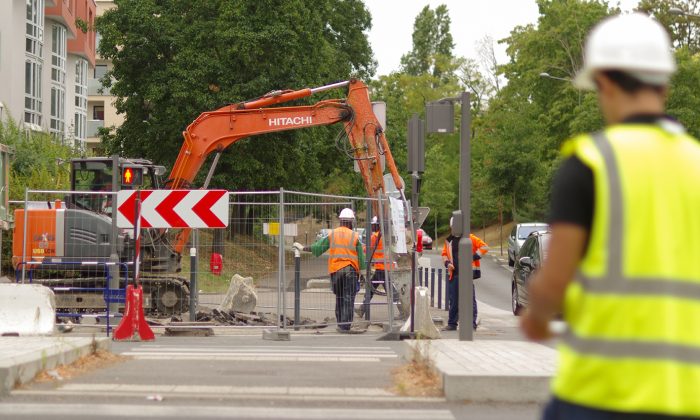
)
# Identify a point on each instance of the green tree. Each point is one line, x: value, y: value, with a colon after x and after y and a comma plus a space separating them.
x: 684, y: 30
x: 39, y: 161
x: 432, y: 43
x: 174, y: 59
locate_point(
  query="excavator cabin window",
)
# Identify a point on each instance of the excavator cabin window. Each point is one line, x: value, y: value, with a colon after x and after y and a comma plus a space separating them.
x: 92, y: 176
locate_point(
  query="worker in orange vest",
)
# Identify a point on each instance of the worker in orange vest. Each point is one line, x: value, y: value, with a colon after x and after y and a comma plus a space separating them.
x: 378, y: 263
x: 345, y: 261
x: 450, y: 255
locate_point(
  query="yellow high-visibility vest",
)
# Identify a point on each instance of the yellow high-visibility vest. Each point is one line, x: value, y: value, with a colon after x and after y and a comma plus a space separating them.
x: 633, y: 309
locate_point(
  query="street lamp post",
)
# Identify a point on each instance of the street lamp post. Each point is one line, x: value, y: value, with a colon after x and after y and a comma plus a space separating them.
x: 546, y: 75
x: 680, y: 12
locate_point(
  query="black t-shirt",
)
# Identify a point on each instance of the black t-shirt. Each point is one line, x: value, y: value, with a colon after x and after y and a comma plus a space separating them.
x: 573, y: 198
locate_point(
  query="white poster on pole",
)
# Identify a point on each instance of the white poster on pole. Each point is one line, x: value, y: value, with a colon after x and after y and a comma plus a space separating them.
x: 398, y: 221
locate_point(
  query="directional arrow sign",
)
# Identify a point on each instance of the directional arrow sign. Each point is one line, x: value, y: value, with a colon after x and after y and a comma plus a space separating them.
x: 174, y: 208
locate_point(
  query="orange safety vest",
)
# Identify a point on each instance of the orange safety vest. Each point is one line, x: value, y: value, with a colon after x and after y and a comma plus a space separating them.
x: 447, y: 253
x: 478, y: 246
x: 343, y: 249
x: 378, y: 257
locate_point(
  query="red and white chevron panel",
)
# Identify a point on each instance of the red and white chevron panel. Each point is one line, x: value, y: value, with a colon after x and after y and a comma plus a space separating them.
x: 174, y: 208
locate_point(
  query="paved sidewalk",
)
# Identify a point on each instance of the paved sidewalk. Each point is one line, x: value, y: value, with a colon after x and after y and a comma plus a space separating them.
x: 491, y: 370
x: 22, y: 358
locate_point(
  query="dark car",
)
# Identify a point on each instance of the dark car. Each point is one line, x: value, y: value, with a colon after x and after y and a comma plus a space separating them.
x: 427, y: 240
x: 528, y: 260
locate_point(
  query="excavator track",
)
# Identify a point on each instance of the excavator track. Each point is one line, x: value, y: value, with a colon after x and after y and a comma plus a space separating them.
x: 164, y: 295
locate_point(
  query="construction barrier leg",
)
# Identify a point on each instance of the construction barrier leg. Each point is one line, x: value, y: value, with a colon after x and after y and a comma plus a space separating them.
x: 133, y: 322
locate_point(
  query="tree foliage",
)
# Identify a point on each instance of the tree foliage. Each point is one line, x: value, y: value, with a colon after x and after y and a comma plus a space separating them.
x: 38, y: 161
x: 432, y: 43
x: 174, y: 59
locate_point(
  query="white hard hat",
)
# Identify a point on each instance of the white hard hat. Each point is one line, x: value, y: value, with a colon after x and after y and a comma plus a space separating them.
x: 347, y: 214
x: 375, y: 221
x: 634, y: 44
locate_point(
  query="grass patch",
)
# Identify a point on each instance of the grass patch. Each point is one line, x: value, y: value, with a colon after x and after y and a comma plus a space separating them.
x: 96, y: 360
x: 418, y: 377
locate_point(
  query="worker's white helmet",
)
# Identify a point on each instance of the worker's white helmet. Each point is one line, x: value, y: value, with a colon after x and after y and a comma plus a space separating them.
x: 375, y: 221
x: 347, y: 214
x: 634, y: 44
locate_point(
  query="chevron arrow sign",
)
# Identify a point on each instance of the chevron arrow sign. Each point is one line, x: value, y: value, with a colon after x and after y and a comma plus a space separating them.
x: 174, y: 208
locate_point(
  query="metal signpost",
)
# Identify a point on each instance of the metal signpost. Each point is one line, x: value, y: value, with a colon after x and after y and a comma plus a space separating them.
x: 441, y: 120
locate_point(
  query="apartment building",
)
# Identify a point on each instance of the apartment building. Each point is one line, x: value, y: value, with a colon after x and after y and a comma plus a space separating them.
x: 101, y: 110
x: 47, y: 49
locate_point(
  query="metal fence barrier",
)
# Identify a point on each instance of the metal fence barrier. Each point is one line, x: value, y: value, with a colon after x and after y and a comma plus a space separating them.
x: 435, y: 279
x: 246, y: 274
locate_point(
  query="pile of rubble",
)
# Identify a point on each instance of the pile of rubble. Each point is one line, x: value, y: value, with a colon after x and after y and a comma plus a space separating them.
x: 231, y: 317
x: 252, y: 319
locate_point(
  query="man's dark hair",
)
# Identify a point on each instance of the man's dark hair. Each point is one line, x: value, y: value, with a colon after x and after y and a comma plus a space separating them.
x: 628, y: 83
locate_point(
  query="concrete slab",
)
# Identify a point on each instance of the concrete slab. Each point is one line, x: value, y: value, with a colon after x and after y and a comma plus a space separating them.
x: 22, y: 358
x: 491, y: 370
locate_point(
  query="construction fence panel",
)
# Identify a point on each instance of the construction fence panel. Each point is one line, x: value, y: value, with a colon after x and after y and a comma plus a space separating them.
x: 63, y: 240
x: 238, y: 266
x: 309, y: 218
x: 245, y: 273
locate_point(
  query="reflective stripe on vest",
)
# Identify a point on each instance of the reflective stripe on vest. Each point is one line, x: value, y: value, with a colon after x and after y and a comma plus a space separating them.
x: 378, y: 256
x: 634, y: 306
x: 343, y: 249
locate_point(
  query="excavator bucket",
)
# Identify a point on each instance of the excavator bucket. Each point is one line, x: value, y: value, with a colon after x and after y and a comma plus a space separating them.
x: 26, y: 309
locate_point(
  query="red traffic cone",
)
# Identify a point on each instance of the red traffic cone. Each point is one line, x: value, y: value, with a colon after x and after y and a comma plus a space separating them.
x: 133, y: 322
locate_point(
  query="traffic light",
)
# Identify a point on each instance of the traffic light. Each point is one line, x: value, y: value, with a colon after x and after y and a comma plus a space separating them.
x: 132, y: 176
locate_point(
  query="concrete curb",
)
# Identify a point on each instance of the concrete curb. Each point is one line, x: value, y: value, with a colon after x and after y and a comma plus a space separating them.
x: 492, y: 370
x: 41, y: 354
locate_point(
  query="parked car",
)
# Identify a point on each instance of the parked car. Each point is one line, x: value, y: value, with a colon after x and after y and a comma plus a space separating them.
x: 427, y: 240
x: 531, y: 255
x: 518, y: 235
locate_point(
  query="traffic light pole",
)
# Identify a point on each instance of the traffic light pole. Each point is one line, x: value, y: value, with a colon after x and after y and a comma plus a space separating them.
x: 466, y: 280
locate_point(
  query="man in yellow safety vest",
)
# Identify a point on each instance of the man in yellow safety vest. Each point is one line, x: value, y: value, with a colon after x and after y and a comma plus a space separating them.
x: 623, y: 264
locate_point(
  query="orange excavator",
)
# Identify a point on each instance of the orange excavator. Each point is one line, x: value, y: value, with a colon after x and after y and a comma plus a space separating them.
x: 51, y: 232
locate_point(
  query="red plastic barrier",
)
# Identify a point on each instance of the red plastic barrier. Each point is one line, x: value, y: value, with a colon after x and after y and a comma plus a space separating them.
x: 133, y: 322
x: 216, y: 263
x: 419, y: 240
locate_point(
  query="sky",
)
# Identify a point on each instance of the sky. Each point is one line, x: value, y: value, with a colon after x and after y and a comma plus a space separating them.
x: 392, y: 25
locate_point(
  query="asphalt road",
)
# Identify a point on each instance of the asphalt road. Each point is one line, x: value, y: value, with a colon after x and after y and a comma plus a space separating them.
x: 493, y: 288
x: 313, y: 376
x: 238, y: 375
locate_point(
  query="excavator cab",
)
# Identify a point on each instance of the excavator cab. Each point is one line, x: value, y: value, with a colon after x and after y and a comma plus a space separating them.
x: 96, y: 174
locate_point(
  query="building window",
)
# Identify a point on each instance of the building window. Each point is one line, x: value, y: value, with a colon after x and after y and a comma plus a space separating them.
x: 98, y: 38
x: 58, y: 79
x: 58, y: 54
x: 33, y: 63
x: 32, y: 92
x: 100, y: 71
x: 98, y: 112
x: 81, y: 91
x: 58, y: 109
x: 35, y: 27
x: 80, y: 126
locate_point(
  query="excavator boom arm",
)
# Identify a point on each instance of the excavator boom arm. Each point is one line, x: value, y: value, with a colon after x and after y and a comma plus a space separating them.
x: 216, y: 130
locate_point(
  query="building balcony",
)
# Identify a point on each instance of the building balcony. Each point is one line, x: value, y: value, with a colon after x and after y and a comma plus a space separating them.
x: 94, y: 87
x: 84, y: 43
x: 62, y: 12
x: 93, y: 126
